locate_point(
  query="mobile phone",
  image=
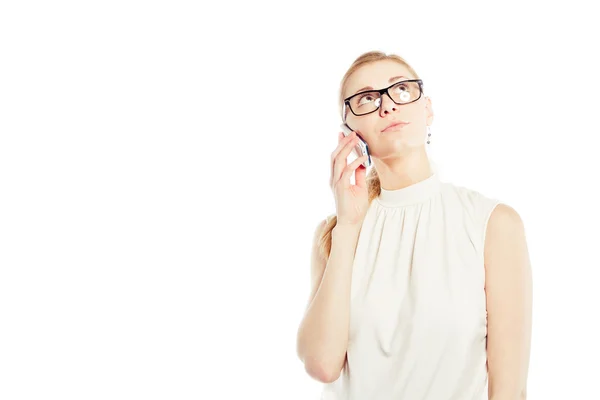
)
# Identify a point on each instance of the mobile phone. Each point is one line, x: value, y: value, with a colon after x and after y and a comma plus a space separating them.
x: 361, y: 147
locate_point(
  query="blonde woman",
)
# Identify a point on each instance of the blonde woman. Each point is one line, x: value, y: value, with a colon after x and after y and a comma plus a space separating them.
x: 421, y: 289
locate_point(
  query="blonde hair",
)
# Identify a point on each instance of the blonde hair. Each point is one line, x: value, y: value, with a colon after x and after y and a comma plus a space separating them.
x: 374, y: 186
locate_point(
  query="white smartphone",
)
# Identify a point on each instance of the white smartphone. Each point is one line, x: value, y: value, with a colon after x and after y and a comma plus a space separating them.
x: 361, y: 147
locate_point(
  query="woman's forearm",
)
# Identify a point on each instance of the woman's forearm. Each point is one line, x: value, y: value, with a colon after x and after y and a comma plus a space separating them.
x: 323, y: 332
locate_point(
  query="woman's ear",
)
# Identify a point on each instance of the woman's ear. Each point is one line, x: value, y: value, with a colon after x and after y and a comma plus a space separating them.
x: 428, y: 110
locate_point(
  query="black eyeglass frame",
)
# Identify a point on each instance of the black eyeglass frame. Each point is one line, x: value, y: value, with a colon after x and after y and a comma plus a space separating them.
x: 381, y: 93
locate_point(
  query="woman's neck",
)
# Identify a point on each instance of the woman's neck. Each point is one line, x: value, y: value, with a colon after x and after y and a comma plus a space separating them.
x: 403, y: 171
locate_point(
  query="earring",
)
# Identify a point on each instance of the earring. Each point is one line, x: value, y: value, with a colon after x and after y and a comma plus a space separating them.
x: 428, y: 134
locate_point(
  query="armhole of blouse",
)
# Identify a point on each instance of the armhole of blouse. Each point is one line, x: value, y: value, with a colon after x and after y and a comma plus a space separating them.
x: 485, y: 226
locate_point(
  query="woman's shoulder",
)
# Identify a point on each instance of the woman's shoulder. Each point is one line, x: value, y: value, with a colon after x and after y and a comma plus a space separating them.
x: 476, y: 202
x: 467, y: 192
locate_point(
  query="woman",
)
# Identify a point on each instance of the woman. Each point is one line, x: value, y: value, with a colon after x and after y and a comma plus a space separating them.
x: 421, y: 289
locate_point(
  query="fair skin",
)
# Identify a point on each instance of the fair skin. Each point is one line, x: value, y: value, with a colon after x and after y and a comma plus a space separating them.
x: 508, y: 288
x: 400, y: 159
x: 399, y: 156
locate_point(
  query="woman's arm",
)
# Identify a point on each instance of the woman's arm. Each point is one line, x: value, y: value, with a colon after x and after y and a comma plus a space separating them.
x: 323, y: 333
x: 508, y: 286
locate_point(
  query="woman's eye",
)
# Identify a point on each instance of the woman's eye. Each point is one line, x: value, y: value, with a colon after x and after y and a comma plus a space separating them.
x: 367, y: 97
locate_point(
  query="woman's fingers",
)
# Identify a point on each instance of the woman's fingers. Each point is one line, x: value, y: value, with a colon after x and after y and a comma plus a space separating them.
x: 340, y: 160
x: 341, y: 139
x: 360, y: 176
x: 341, y: 144
x: 352, y: 167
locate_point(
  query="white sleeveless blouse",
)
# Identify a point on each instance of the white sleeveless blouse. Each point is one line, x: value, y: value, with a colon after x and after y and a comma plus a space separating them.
x: 418, y: 319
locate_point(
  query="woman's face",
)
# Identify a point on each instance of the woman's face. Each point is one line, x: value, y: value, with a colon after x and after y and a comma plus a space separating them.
x: 389, y: 142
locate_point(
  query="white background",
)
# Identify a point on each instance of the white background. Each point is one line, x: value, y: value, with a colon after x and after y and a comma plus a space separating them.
x: 164, y: 164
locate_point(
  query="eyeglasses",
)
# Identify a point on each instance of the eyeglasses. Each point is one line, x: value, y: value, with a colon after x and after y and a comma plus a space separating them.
x: 403, y: 92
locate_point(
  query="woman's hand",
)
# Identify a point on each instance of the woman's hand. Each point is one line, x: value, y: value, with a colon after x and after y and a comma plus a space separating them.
x: 351, y: 201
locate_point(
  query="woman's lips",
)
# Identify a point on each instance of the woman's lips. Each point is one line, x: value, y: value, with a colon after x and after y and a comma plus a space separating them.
x: 396, y: 126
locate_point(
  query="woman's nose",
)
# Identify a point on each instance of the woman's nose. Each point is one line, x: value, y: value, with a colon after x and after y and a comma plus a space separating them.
x: 387, y: 105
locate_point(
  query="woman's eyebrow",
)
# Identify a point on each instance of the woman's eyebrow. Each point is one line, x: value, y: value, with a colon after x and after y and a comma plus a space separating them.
x: 370, y: 87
